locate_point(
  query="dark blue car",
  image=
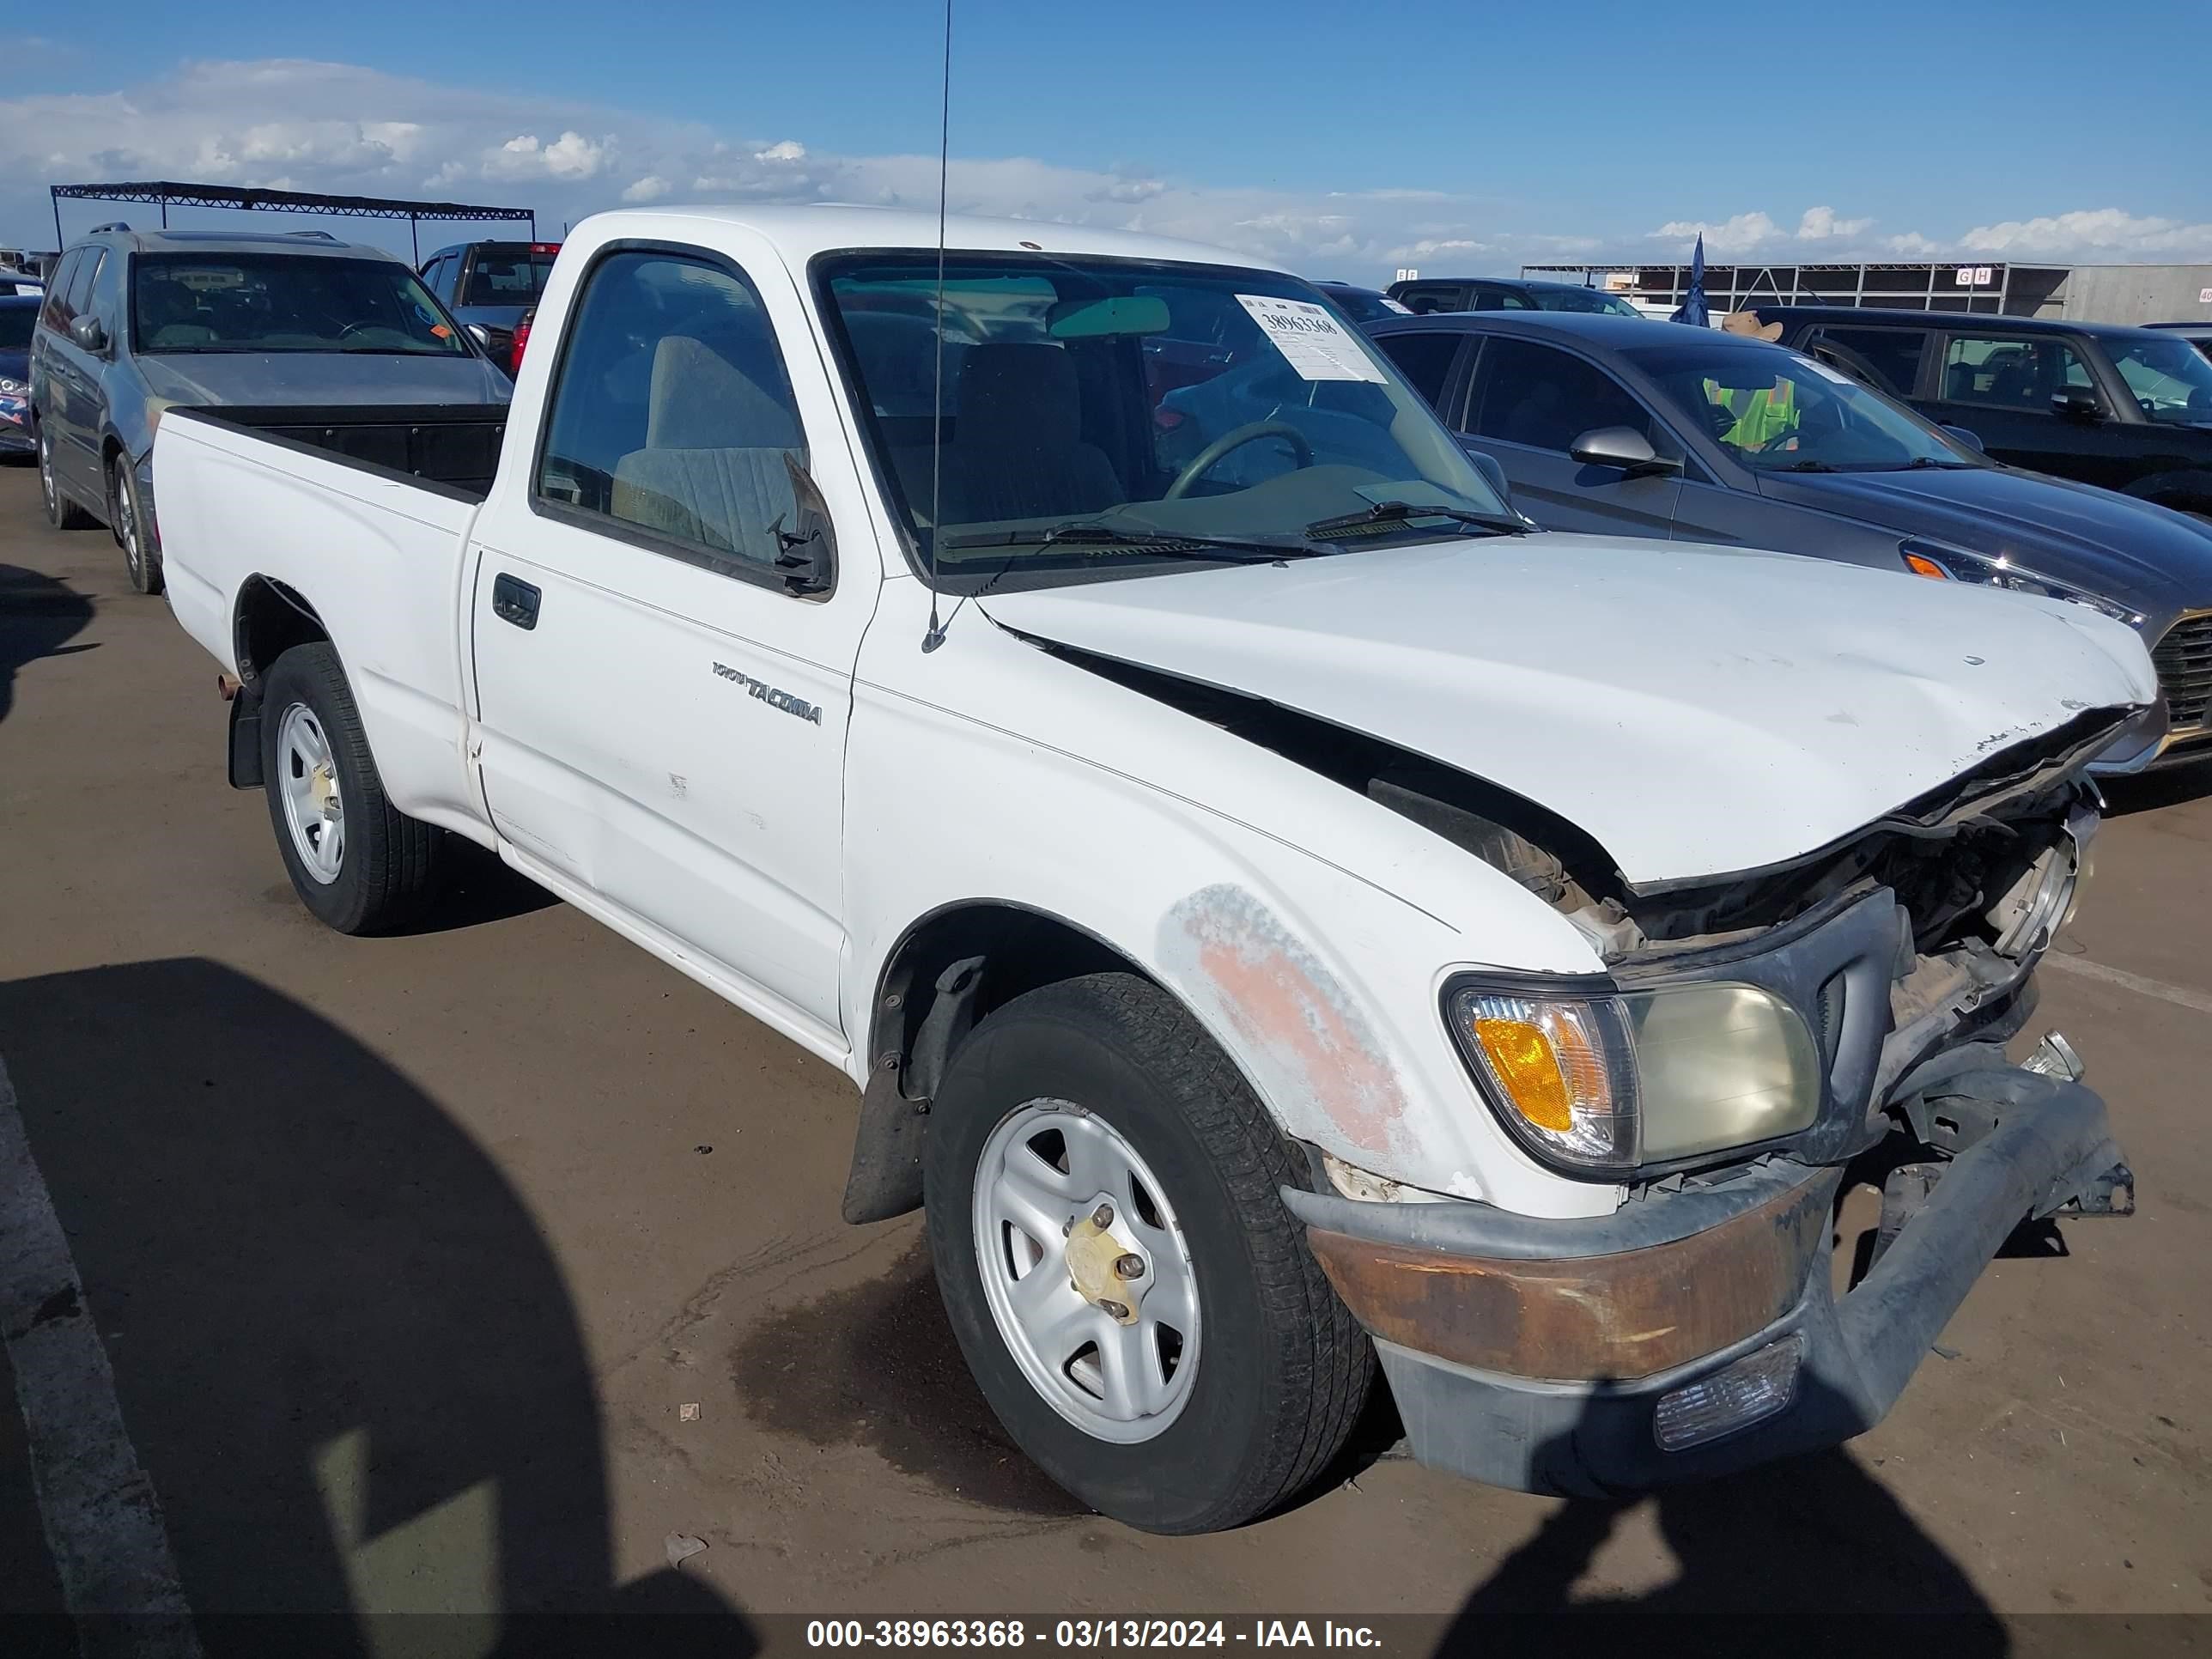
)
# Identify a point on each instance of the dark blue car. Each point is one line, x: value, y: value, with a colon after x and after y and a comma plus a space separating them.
x: 1612, y: 425
x: 18, y: 315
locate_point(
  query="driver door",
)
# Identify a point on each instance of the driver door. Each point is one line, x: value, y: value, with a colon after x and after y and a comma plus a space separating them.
x: 1526, y: 405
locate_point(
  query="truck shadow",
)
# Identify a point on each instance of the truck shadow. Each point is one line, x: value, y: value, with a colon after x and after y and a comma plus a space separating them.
x: 2150, y: 791
x: 38, y: 616
x: 1811, y: 1556
x: 348, y: 1359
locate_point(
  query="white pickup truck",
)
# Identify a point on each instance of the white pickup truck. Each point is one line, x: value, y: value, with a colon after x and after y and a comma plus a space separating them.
x: 1278, y: 911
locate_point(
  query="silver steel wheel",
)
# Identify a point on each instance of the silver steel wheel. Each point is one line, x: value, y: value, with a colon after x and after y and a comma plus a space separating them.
x: 1087, y: 1272
x: 126, y: 519
x: 307, y: 778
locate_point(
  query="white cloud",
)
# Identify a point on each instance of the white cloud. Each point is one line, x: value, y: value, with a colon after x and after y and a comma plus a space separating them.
x: 651, y: 188
x: 2109, y: 233
x: 789, y: 150
x: 570, y: 156
x: 1820, y: 224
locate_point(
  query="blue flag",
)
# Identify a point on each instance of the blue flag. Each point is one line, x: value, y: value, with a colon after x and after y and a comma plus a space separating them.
x: 1692, y: 309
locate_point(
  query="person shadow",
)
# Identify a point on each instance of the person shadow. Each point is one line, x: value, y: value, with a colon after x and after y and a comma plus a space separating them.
x: 345, y: 1352
x: 1809, y: 1556
x: 39, y: 617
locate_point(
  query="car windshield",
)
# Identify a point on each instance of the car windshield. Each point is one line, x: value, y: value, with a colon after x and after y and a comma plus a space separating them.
x: 1775, y: 410
x: 2169, y: 377
x: 1364, y: 305
x: 1105, y: 415
x: 214, y: 303
x: 508, y: 277
x: 15, y: 326
x: 1584, y: 299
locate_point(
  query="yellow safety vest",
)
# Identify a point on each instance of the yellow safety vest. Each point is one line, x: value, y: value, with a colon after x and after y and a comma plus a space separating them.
x: 1761, y: 416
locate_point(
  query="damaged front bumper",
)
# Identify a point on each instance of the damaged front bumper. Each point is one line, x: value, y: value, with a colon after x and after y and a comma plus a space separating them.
x: 1694, y: 1333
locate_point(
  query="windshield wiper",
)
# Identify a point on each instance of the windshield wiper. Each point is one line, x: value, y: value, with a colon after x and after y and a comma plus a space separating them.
x: 1937, y: 464
x: 1224, y: 549
x: 1807, y: 466
x: 1389, y: 512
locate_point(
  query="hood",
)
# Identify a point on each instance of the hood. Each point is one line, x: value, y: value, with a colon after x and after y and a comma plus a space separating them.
x: 320, y: 377
x: 15, y: 364
x: 2145, y: 556
x: 1698, y: 710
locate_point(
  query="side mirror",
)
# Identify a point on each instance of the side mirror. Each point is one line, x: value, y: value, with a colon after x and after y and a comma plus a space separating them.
x: 2079, y: 402
x: 477, y: 333
x: 88, y: 333
x: 806, y: 555
x: 1972, y: 440
x: 1492, y: 474
x: 1620, y: 446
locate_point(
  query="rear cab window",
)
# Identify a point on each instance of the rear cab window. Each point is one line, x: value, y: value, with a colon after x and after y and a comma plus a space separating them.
x: 506, y: 277
x: 671, y: 423
x: 1887, y: 359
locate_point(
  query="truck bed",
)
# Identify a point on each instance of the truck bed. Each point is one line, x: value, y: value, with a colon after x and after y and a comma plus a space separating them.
x: 452, y: 447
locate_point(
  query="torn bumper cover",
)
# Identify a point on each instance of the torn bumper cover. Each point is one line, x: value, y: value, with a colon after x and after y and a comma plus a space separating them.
x: 1693, y: 1334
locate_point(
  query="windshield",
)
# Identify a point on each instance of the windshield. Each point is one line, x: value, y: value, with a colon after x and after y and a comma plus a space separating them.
x: 1188, y: 405
x: 2169, y: 378
x: 1584, y: 299
x: 15, y: 326
x: 1774, y: 410
x: 215, y: 303
x: 507, y: 277
x: 1365, y: 305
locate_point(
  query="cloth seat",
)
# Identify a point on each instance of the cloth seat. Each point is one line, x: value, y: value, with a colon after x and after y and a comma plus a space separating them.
x: 713, y: 469
x: 1017, y: 448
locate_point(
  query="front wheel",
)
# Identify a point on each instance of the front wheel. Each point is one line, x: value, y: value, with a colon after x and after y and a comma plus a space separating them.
x: 134, y: 530
x: 357, y: 863
x: 1137, y: 1305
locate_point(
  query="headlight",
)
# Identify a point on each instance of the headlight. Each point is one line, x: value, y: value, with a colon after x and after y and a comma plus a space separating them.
x: 1943, y: 562
x: 1608, y: 1082
x: 9, y: 388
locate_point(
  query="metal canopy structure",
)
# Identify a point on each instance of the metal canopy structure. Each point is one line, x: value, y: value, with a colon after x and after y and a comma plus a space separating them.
x: 1917, y: 285
x: 165, y: 193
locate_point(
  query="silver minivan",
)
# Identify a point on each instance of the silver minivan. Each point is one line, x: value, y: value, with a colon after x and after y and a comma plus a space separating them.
x: 136, y: 322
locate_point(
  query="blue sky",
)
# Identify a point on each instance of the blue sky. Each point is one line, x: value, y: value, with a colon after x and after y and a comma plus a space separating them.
x: 1464, y: 135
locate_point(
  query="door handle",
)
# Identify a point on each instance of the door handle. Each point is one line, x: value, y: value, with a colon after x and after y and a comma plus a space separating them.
x: 513, y: 600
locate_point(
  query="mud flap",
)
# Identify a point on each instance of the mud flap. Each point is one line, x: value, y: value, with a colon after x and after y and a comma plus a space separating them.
x: 245, y: 739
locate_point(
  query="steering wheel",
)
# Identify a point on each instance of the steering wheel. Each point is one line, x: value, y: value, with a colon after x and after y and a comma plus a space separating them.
x: 1211, y: 456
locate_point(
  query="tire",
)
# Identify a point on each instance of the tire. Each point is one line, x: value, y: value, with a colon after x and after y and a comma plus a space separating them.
x: 134, y: 532
x: 367, y: 867
x: 1263, y: 1390
x: 61, y: 512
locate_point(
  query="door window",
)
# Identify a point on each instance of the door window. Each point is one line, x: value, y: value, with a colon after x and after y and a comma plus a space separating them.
x: 671, y: 413
x: 1488, y: 296
x: 1887, y: 359
x: 80, y: 288
x: 56, y: 311
x: 2170, y: 381
x: 2017, y: 373
x: 1537, y: 395
x: 1425, y: 360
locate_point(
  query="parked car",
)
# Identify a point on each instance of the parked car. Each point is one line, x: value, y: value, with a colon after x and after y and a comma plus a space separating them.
x: 490, y: 288
x: 1701, y: 435
x: 1429, y: 294
x: 138, y: 322
x: 2197, y: 334
x: 17, y: 317
x: 1362, y: 304
x: 2127, y: 407
x: 1254, y: 917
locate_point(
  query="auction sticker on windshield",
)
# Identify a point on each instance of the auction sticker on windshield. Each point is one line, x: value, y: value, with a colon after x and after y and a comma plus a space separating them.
x: 1308, y: 336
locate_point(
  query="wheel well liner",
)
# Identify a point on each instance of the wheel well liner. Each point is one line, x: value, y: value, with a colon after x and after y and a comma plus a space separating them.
x: 271, y: 619
x: 947, y: 971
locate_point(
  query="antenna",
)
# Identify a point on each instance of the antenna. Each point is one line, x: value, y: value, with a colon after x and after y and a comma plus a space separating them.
x: 935, y: 636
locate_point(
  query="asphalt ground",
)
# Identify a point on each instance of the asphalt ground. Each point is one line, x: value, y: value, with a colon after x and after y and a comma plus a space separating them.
x: 457, y: 1272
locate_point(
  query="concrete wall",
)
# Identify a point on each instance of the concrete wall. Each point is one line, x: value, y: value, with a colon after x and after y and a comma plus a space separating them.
x: 2135, y: 293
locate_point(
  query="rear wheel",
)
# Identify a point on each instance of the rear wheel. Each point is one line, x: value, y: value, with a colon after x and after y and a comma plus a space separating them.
x: 357, y: 863
x: 60, y: 512
x: 1137, y: 1305
x: 134, y: 530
